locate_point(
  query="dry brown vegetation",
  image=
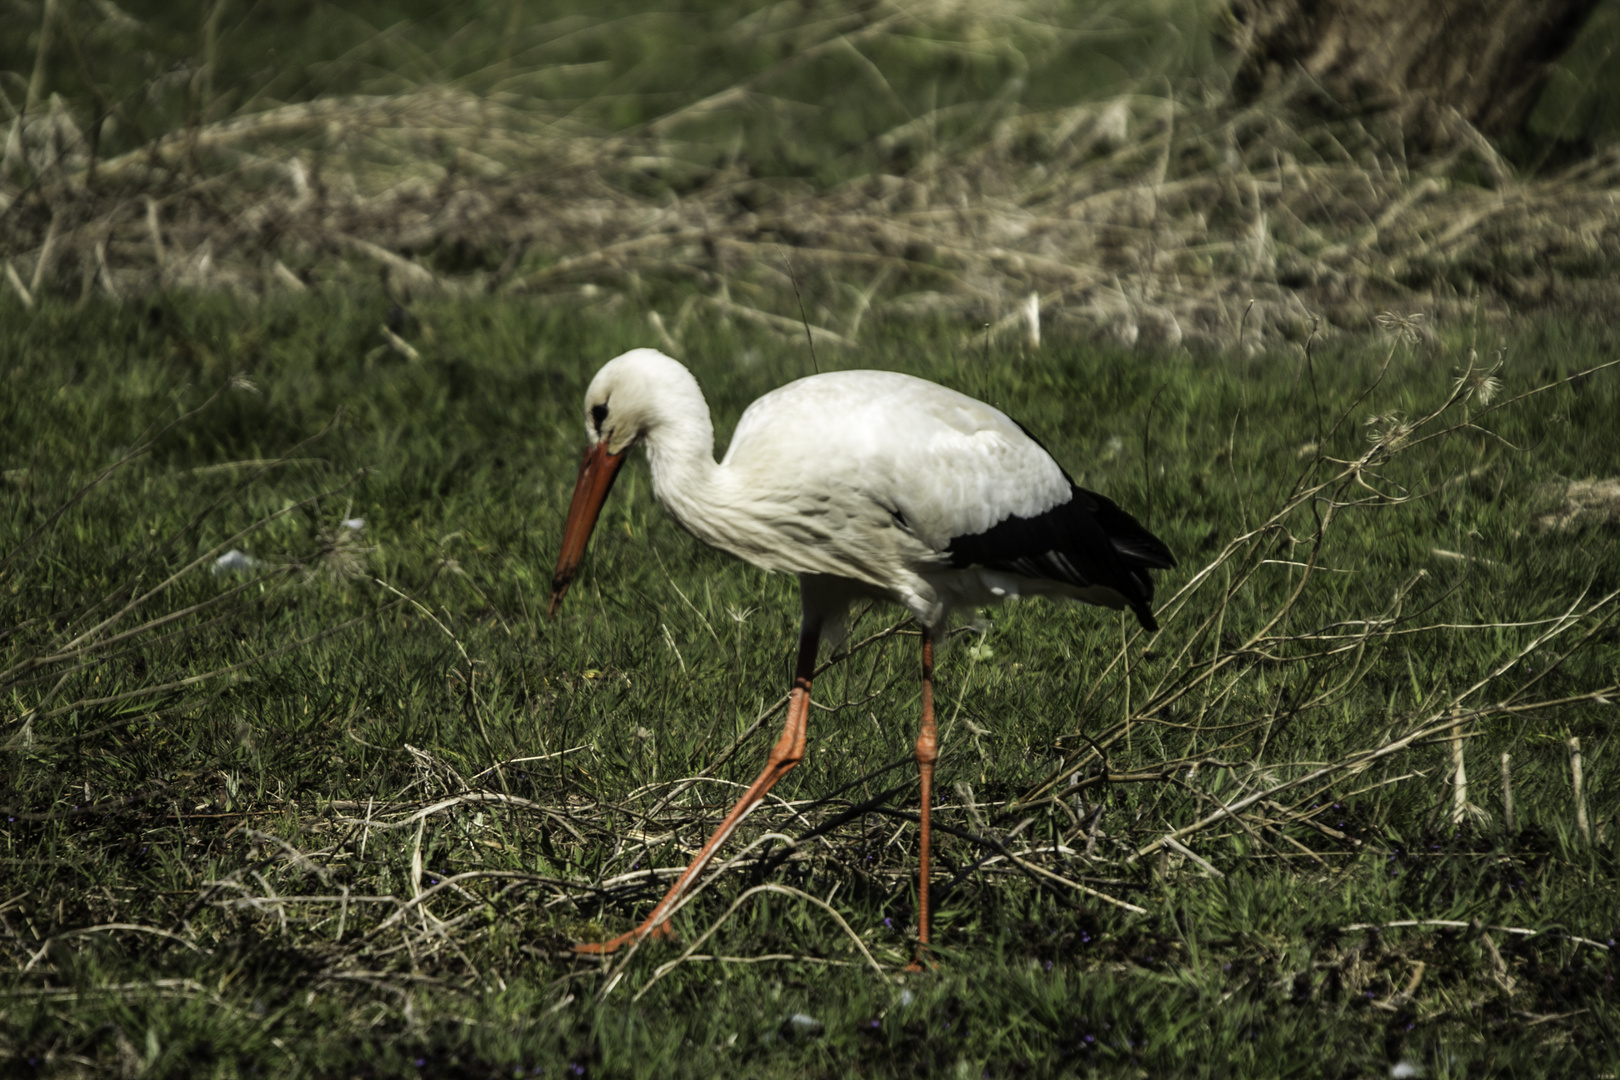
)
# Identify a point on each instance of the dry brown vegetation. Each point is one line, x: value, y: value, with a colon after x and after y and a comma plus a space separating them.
x: 1148, y: 217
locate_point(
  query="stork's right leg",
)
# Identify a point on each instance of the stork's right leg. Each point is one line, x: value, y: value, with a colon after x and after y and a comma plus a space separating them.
x: 788, y: 752
x: 927, y: 754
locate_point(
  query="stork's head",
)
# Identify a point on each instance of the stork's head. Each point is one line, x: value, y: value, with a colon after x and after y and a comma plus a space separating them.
x: 628, y: 400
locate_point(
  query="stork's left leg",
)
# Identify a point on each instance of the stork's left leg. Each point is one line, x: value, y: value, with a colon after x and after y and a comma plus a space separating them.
x: 788, y: 752
x: 927, y: 753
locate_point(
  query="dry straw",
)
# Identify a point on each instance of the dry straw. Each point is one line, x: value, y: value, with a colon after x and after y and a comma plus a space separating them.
x: 1143, y: 218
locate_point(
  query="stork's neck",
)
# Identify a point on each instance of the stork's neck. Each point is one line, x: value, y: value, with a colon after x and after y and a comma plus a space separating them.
x: 680, y: 448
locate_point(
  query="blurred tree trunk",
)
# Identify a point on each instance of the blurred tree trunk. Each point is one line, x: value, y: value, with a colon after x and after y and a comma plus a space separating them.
x: 1432, y: 61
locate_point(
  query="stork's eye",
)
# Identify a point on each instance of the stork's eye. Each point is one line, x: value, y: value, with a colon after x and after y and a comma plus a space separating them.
x: 599, y: 416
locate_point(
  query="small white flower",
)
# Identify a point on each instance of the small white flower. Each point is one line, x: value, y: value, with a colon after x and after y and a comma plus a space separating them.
x: 1388, y: 432
x: 340, y: 554
x: 1482, y: 386
x: 1402, y: 327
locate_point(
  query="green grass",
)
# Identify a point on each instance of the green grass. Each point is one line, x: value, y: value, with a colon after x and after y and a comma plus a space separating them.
x: 207, y: 810
x: 212, y: 861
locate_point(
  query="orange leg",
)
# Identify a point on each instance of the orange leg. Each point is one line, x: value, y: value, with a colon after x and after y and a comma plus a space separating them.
x: 788, y: 752
x: 927, y: 754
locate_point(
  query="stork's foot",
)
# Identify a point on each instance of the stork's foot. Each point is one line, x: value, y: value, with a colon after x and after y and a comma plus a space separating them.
x: 920, y: 962
x: 606, y: 948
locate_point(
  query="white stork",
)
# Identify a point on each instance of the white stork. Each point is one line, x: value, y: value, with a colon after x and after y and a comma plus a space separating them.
x: 866, y: 484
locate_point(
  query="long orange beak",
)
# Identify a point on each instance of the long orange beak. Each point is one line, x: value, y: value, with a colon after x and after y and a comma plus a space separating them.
x: 596, y: 475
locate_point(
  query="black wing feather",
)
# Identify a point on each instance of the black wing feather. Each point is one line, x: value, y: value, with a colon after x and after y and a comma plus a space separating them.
x: 1087, y: 542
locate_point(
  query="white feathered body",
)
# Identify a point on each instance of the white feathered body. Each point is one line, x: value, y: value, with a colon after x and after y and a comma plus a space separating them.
x: 857, y: 481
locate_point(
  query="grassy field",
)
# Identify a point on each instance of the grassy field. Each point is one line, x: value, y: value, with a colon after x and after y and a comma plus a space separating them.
x: 297, y: 304
x: 340, y: 811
